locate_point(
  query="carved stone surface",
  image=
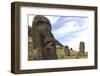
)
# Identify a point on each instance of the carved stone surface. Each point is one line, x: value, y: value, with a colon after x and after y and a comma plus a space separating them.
x: 81, y: 48
x: 42, y: 39
x: 71, y: 49
x: 67, y: 51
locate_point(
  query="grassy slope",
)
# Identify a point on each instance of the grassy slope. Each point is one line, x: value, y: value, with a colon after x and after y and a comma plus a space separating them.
x: 60, y: 53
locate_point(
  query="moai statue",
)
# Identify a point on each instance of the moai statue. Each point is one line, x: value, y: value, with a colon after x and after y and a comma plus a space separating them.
x: 42, y: 39
x: 81, y: 49
x: 67, y: 51
x: 71, y: 49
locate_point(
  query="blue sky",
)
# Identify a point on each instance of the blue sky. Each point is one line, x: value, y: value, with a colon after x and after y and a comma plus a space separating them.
x: 69, y: 30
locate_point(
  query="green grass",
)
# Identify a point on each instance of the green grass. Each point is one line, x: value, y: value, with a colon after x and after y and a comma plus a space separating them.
x: 60, y: 52
x: 73, y: 54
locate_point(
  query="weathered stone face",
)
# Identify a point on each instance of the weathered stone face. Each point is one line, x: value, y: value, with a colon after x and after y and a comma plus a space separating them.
x: 42, y: 38
x: 71, y: 49
x: 81, y: 48
x: 67, y: 51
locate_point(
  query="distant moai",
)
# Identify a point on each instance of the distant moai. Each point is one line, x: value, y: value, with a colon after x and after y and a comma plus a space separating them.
x: 71, y: 49
x: 66, y: 50
x: 81, y: 48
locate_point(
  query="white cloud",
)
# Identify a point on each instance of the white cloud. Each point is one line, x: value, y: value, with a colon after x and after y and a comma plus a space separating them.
x: 67, y: 27
x: 52, y: 19
x: 74, y: 42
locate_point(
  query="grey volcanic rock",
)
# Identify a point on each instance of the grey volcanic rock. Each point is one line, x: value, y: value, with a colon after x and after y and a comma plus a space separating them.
x: 30, y: 35
x: 42, y: 39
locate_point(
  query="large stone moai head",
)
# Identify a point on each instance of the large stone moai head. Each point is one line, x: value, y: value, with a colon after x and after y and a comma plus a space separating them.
x: 66, y: 50
x: 81, y: 48
x: 42, y: 38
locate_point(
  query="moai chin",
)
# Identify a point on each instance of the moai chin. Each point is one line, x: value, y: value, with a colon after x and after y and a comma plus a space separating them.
x: 67, y: 51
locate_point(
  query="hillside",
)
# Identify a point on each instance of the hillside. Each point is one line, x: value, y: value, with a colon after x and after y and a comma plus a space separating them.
x: 59, y: 49
x: 30, y: 35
